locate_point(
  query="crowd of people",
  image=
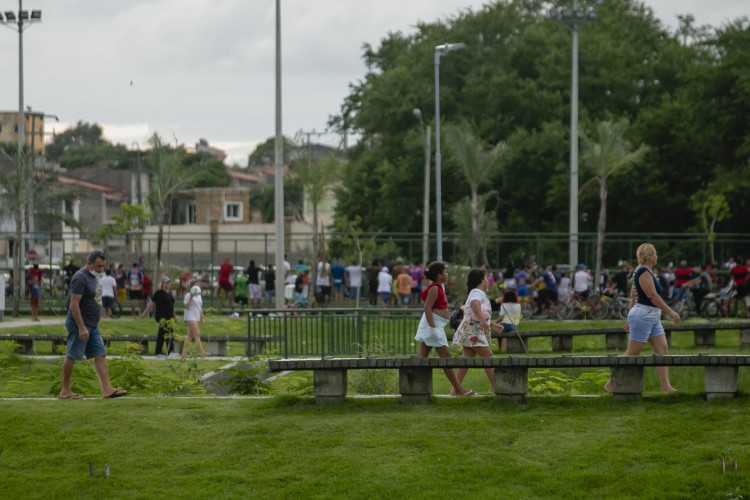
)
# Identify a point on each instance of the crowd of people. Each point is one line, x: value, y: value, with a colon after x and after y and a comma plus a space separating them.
x: 93, y: 289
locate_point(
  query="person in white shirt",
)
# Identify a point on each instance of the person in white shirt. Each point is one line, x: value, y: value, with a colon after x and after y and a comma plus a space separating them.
x: 563, y: 290
x: 354, y: 279
x: 510, y: 314
x: 384, y: 285
x: 108, y: 285
x: 581, y: 281
x: 323, y: 282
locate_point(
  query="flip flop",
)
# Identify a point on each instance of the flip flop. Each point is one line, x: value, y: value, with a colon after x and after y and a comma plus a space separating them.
x: 469, y: 394
x: 116, y: 394
x: 71, y: 396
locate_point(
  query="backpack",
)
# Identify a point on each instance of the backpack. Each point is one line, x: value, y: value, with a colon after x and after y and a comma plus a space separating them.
x: 456, y: 317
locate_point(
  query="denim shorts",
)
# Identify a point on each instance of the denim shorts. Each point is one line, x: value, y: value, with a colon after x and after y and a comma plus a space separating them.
x: 644, y: 322
x: 77, y: 348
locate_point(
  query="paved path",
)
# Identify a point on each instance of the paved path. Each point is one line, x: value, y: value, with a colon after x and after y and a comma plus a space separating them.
x: 19, y: 322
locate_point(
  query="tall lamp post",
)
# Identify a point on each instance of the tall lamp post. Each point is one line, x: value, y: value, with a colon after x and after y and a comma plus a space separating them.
x: 575, y: 18
x: 440, y: 51
x: 426, y: 207
x: 279, y: 174
x: 20, y: 22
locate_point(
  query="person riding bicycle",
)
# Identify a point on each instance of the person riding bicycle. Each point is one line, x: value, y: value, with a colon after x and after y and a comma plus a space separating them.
x: 582, y: 282
x: 547, y: 297
x: 740, y: 274
x: 700, y: 286
x: 682, y: 275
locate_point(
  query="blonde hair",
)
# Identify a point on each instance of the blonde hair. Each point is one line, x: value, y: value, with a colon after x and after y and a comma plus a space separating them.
x: 645, y: 252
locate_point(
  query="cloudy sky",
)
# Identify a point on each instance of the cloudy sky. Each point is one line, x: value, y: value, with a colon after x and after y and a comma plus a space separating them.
x: 191, y: 69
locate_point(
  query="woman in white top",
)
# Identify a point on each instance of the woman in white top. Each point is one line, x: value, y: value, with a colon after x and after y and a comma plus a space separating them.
x: 473, y: 334
x: 193, y: 313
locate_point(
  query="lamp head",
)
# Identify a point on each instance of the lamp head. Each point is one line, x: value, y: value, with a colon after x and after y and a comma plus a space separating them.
x: 447, y: 47
x: 417, y: 112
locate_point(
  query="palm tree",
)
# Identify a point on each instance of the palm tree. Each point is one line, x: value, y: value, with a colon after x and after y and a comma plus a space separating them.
x: 606, y: 153
x: 168, y: 176
x: 486, y: 224
x: 36, y: 193
x: 477, y: 165
x: 316, y: 179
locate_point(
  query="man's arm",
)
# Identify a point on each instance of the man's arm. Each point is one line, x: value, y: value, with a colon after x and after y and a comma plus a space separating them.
x: 75, y: 311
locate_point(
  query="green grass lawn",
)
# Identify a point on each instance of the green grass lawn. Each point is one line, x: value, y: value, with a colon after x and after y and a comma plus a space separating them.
x: 286, y: 447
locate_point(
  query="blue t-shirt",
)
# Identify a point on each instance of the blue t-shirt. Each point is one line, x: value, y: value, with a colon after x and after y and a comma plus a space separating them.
x: 522, y: 282
x: 549, y: 281
x: 337, y: 271
x: 86, y: 285
x: 641, y: 297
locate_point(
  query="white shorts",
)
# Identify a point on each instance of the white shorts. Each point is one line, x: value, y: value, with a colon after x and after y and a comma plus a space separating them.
x: 254, y: 291
x: 433, y: 337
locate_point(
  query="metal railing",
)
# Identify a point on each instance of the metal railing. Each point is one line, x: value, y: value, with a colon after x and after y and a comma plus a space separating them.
x: 333, y: 332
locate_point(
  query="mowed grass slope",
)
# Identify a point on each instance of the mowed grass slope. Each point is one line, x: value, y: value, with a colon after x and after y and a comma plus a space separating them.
x: 286, y: 447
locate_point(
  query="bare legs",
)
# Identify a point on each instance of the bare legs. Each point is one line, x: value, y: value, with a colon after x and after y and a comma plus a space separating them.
x: 194, y: 334
x: 443, y: 352
x: 470, y: 352
x: 102, y: 371
x: 659, y: 345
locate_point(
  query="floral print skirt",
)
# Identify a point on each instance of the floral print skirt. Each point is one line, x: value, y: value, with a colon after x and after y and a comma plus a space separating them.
x: 471, y: 335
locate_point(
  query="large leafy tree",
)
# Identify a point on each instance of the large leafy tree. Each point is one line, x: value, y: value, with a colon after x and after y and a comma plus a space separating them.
x: 606, y: 152
x: 685, y: 94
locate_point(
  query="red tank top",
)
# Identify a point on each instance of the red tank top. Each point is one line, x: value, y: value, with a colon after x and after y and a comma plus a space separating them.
x: 440, y: 302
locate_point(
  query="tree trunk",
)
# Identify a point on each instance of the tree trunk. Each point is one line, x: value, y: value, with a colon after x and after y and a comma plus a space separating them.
x: 601, y: 228
x: 711, y: 239
x: 17, y: 267
x: 474, y: 228
x: 159, y: 243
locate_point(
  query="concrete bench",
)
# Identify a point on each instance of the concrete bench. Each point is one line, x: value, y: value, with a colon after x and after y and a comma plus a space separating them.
x: 214, y: 345
x: 511, y: 373
x: 704, y: 335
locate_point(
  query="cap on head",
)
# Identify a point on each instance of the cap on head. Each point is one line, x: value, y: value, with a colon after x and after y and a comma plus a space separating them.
x: 165, y: 279
x: 581, y: 266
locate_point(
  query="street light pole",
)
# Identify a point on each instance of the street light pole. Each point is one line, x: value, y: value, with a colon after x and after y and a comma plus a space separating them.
x: 426, y: 207
x: 574, y: 18
x: 18, y: 22
x: 440, y: 51
x: 279, y: 174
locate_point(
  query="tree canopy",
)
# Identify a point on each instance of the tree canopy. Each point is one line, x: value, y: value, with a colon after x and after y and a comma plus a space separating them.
x: 686, y: 94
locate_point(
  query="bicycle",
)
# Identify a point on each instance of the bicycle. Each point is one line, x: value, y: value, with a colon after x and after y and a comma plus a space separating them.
x: 588, y: 307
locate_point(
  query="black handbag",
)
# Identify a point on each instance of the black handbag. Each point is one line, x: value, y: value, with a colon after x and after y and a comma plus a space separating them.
x: 456, y: 317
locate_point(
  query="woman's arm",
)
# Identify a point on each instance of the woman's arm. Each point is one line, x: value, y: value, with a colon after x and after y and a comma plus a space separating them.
x: 476, y: 308
x: 647, y: 285
x: 428, y: 303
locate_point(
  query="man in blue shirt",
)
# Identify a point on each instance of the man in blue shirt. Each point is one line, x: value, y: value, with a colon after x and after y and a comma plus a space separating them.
x: 82, y: 324
x: 337, y: 272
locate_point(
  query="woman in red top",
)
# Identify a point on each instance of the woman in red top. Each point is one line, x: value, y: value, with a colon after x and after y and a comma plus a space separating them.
x: 431, y: 330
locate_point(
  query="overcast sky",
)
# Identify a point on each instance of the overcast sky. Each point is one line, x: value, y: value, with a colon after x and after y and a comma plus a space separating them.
x: 191, y: 69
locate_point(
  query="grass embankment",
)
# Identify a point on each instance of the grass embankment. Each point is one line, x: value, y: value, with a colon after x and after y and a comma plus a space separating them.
x: 663, y: 447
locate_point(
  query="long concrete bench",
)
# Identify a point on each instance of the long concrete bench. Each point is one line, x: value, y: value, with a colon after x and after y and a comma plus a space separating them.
x: 721, y: 373
x: 214, y: 345
x: 704, y: 335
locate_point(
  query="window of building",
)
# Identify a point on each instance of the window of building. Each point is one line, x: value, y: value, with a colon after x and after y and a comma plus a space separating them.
x: 233, y: 211
x: 190, y: 213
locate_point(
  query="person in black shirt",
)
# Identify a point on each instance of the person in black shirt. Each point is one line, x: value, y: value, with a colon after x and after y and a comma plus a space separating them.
x: 70, y: 270
x: 163, y: 301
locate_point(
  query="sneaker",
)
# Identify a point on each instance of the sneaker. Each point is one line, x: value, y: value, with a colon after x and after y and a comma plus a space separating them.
x: 160, y: 356
x: 174, y: 355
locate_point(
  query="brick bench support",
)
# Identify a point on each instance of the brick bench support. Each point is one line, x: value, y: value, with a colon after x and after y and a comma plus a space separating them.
x: 720, y: 381
x: 515, y: 345
x: 216, y: 347
x: 330, y: 386
x: 415, y: 384
x: 562, y: 343
x: 627, y: 382
x: 705, y: 338
x: 744, y: 337
x: 512, y: 383
x: 617, y: 341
